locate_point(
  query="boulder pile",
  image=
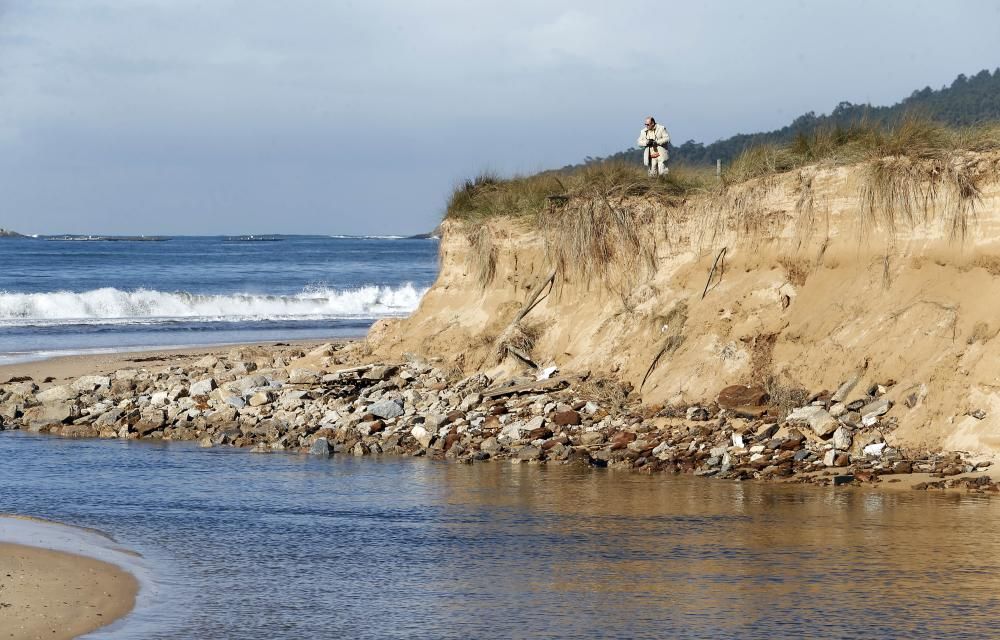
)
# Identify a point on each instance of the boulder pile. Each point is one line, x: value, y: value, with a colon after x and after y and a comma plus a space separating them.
x: 259, y: 398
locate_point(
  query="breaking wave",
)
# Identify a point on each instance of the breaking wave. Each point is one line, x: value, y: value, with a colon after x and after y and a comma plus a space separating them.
x: 116, y: 306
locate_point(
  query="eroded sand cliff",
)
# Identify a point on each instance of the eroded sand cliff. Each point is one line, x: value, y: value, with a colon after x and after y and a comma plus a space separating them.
x: 823, y: 275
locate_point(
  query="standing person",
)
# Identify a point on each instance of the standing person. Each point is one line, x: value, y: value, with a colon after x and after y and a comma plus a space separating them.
x: 653, y: 139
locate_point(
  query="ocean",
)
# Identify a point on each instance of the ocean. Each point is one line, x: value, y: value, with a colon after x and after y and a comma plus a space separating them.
x: 67, y: 296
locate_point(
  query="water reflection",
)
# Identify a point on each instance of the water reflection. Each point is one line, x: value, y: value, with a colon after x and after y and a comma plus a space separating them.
x: 248, y: 546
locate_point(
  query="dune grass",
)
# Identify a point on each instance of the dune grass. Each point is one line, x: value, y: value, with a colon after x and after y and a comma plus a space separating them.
x: 913, y: 137
x: 592, y: 218
x: 488, y: 195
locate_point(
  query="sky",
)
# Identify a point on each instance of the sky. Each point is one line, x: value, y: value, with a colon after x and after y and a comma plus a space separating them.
x: 336, y: 116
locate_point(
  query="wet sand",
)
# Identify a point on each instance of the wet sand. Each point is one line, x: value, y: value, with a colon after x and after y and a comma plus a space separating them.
x: 57, y: 595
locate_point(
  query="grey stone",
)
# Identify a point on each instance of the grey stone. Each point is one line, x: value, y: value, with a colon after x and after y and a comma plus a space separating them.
x: 149, y: 421
x: 697, y: 414
x: 108, y: 418
x: 875, y: 409
x: 59, y: 393
x: 530, y: 452
x: 802, y: 454
x: 50, y: 414
x: 843, y: 438
x: 320, y: 447
x: 87, y: 384
x: 386, y: 409
x: 203, y: 387
x: 818, y: 419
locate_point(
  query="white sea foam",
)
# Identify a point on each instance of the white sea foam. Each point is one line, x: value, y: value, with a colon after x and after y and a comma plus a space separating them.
x: 115, y: 306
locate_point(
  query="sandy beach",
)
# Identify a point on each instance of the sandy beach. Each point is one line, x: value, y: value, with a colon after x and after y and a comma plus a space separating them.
x: 51, y: 594
x: 70, y: 367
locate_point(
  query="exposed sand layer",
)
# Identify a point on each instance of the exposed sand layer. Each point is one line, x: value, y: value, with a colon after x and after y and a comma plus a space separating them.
x: 812, y: 289
x: 57, y: 595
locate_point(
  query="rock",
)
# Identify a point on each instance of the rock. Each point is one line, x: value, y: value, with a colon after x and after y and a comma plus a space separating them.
x: 207, y: 362
x: 566, y: 418
x: 471, y: 401
x: 842, y: 479
x: 320, y: 447
x: 902, y: 466
x: 60, y: 393
x: 386, y: 409
x: 843, y: 390
x: 514, y: 431
x: 261, y: 398
x: 978, y: 414
x: 843, y: 438
x: 50, y: 414
x: 738, y: 395
x: 380, y: 372
x: 802, y: 454
x: 738, y: 441
x: 622, y: 439
x: 542, y: 433
x: 697, y: 414
x: 149, y: 421
x: 830, y: 458
x: 206, y: 442
x: 203, y: 387
x: 838, y: 409
x: 422, y: 436
x: 86, y: 384
x: 818, y: 419
x: 876, y: 408
x: 79, y: 431
x: 529, y: 453
x: 490, y: 445
x: 108, y: 418
x: 874, y: 450
x: 588, y: 438
x: 591, y: 408
x: 303, y: 376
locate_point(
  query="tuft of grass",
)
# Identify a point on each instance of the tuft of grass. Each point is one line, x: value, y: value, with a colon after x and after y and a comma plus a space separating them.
x: 483, y: 253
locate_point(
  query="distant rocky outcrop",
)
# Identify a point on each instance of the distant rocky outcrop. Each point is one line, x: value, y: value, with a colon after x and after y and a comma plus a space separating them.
x: 7, y: 233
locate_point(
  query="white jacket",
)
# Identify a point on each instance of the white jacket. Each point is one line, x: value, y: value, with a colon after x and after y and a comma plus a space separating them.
x: 660, y: 135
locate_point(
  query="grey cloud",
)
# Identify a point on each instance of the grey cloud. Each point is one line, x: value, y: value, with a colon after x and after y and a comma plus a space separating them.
x: 313, y: 116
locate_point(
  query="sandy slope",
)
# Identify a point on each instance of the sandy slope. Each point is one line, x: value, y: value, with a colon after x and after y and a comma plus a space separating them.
x: 808, y: 296
x: 51, y: 594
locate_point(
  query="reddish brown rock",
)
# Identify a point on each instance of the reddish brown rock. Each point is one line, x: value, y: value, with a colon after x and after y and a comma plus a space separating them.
x: 743, y: 397
x: 541, y: 433
x: 566, y: 418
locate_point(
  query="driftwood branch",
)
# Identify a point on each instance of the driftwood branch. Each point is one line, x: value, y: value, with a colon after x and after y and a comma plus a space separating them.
x: 533, y: 297
x: 722, y: 256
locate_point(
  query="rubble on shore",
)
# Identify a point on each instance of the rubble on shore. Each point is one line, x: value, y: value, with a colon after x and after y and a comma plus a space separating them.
x: 260, y: 399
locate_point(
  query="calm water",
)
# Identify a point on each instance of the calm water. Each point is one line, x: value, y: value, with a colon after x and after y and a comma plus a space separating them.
x: 73, y: 296
x: 281, y: 546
